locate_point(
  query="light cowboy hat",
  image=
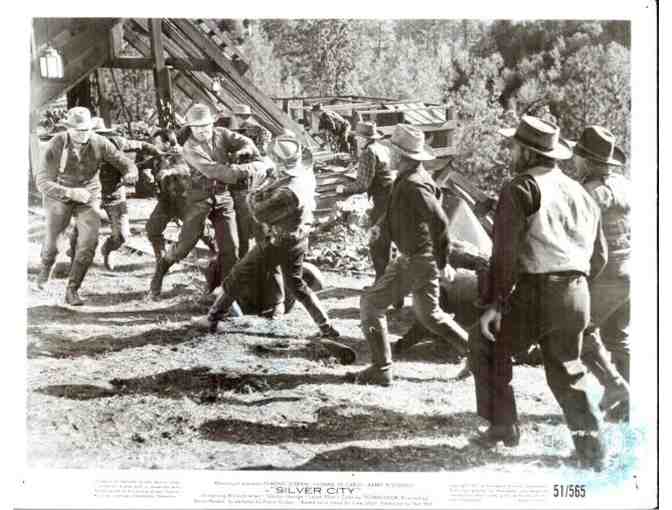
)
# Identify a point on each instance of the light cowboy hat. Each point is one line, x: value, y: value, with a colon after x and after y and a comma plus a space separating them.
x: 599, y: 144
x: 98, y: 125
x: 539, y: 136
x: 241, y: 110
x: 410, y: 142
x: 368, y: 130
x: 199, y: 115
x: 286, y: 153
x: 78, y: 118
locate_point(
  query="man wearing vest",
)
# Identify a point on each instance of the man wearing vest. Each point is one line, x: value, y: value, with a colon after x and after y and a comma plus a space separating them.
x: 207, y: 152
x: 547, y: 242
x: 285, y: 207
x: 375, y: 177
x: 596, y: 156
x: 68, y: 178
x: 418, y: 226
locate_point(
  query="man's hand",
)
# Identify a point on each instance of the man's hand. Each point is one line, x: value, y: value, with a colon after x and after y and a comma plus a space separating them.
x: 491, y: 322
x: 242, y: 154
x: 81, y: 195
x: 148, y: 176
x: 340, y: 189
x: 449, y: 273
x: 131, y: 178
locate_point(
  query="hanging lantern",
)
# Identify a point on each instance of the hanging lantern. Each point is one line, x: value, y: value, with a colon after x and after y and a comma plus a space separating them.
x: 51, y: 64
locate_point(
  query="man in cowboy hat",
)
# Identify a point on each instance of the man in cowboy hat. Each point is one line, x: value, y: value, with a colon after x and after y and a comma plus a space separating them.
x: 418, y: 225
x: 70, y: 186
x: 547, y: 242
x: 596, y: 157
x: 114, y: 191
x: 246, y: 124
x: 375, y: 177
x: 285, y: 207
x: 208, y: 152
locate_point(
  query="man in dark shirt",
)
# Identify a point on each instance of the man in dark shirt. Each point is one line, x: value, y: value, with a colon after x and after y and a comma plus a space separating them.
x: 68, y: 178
x: 544, y: 251
x: 418, y: 225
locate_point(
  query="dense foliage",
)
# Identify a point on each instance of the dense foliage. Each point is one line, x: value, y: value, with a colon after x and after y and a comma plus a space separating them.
x: 574, y: 72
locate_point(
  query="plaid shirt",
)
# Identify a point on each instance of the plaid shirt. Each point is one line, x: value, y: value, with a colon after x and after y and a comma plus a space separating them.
x: 374, y: 160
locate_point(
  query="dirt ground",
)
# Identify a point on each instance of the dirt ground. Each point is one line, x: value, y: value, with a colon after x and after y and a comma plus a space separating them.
x: 124, y: 382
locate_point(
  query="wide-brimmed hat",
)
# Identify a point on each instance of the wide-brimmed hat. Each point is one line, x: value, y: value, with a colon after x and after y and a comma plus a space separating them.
x: 599, y: 144
x: 199, y: 115
x: 368, y: 130
x: 98, y: 125
x: 286, y: 152
x: 539, y: 136
x: 241, y: 109
x: 78, y: 118
x: 410, y: 141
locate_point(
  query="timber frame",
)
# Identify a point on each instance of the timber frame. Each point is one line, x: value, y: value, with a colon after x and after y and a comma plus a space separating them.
x: 185, y: 53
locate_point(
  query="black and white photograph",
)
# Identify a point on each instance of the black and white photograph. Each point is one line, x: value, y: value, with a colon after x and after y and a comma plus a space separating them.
x: 330, y: 261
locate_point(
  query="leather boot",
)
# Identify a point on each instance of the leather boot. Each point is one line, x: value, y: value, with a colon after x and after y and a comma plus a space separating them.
x: 621, y: 412
x: 410, y: 338
x: 44, y: 274
x: 507, y: 434
x: 590, y: 450
x: 158, y: 247
x: 162, y: 267
x: 77, y: 273
x: 379, y: 372
x: 105, y: 250
x: 616, y: 389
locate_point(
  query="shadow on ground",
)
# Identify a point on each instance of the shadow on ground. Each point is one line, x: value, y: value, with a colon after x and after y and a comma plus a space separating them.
x: 199, y: 384
x: 416, y: 458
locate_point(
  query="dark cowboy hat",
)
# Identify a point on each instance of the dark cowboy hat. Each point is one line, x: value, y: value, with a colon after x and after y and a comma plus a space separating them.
x: 368, y: 130
x: 539, y: 136
x: 599, y: 144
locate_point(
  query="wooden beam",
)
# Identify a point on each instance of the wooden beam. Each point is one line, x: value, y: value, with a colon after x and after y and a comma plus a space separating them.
x: 241, y: 64
x: 176, y: 63
x: 259, y: 102
x: 164, y: 94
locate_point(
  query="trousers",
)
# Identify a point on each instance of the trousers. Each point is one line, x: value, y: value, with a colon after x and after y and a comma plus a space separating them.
x: 192, y: 213
x: 419, y: 275
x: 87, y: 223
x: 288, y: 253
x: 554, y: 314
x: 380, y: 248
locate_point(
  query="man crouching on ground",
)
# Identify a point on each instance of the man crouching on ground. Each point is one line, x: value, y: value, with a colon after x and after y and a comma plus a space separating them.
x: 418, y: 225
